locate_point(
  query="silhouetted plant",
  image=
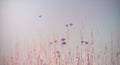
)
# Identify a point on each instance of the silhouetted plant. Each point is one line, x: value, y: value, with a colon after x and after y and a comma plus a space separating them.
x: 86, y: 42
x: 63, y: 43
x: 82, y: 41
x: 63, y: 39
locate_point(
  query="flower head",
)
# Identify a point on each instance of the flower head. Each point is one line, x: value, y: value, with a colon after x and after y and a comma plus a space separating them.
x: 58, y: 52
x: 55, y: 41
x: 82, y: 41
x: 70, y: 24
x: 51, y: 43
x: 66, y: 25
x: 63, y: 43
x: 63, y: 39
x: 86, y: 42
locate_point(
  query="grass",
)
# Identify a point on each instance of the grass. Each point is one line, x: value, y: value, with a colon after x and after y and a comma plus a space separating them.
x: 58, y: 52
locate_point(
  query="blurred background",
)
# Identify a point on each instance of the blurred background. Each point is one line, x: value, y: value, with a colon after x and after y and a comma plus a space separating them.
x: 90, y: 30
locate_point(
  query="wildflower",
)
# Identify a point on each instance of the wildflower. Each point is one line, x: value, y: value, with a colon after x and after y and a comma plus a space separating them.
x: 86, y: 42
x: 59, y: 55
x: 55, y: 41
x: 66, y: 25
x: 82, y: 41
x: 70, y: 24
x: 51, y: 43
x: 63, y: 39
x: 58, y: 52
x: 63, y: 43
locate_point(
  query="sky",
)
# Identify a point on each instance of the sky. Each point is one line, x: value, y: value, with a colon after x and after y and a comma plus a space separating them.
x: 19, y: 20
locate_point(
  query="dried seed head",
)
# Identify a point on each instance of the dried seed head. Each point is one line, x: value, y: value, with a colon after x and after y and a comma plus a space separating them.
x: 59, y: 56
x: 51, y: 43
x: 63, y: 39
x: 63, y: 43
x: 82, y: 41
x: 71, y: 24
x: 66, y: 25
x: 58, y: 52
x: 55, y: 41
x: 86, y: 42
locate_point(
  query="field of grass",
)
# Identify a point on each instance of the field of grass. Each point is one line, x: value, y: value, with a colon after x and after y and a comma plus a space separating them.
x: 60, y: 52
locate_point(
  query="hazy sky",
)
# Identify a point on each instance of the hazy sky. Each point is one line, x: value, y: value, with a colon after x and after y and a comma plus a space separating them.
x: 19, y: 19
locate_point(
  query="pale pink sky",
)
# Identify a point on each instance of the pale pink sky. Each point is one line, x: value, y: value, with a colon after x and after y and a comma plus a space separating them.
x: 19, y: 20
